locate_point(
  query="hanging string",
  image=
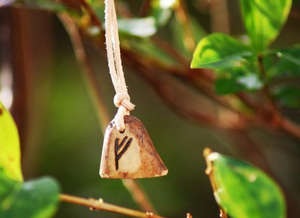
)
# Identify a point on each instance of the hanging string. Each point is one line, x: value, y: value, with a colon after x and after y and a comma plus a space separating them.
x: 122, y: 98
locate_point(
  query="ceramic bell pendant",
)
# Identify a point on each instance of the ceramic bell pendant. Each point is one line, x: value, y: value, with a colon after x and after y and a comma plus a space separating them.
x: 130, y: 154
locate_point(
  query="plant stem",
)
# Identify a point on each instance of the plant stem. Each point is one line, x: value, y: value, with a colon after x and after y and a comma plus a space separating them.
x: 266, y: 92
x: 189, y: 215
x: 290, y: 127
x: 223, y: 214
x: 170, y: 50
x: 184, y: 20
x: 87, y: 69
x: 199, y: 111
x: 138, y: 194
x: 260, y: 119
x: 219, y: 16
x: 99, y: 204
x: 277, y: 119
x: 146, y: 6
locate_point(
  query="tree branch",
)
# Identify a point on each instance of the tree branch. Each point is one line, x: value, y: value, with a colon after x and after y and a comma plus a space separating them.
x: 276, y: 118
x: 219, y: 16
x: 184, y: 20
x: 289, y: 127
x: 138, y: 194
x: 171, y: 51
x: 203, y: 83
x: 99, y: 204
x: 84, y: 7
x: 87, y: 70
x: 261, y: 116
x: 201, y: 111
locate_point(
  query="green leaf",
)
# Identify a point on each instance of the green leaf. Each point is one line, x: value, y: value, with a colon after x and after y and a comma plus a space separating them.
x: 161, y: 10
x: 219, y: 51
x: 9, y: 146
x: 237, y: 81
x: 7, y: 186
x: 264, y: 20
x: 149, y: 50
x: 225, y: 86
x: 160, y: 13
x: 46, y: 5
x: 141, y: 27
x: 33, y: 199
x: 233, y: 62
x: 242, y: 190
x: 283, y: 62
x: 98, y: 7
x: 288, y: 96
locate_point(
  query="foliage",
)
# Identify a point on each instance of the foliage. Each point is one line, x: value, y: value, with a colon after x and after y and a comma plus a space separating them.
x: 242, y: 67
x: 37, y: 198
x: 264, y: 20
x: 32, y: 199
x: 242, y: 190
x: 9, y: 146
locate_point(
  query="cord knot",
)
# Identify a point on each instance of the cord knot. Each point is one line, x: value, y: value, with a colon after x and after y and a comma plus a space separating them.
x: 123, y: 99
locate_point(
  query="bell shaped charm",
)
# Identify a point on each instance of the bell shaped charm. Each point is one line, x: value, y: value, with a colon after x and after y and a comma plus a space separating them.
x: 130, y: 154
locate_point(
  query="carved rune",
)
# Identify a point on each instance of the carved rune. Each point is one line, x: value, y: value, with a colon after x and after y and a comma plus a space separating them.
x: 121, y: 148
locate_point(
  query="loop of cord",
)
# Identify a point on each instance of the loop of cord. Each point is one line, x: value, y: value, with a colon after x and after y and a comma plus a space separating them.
x: 122, y: 98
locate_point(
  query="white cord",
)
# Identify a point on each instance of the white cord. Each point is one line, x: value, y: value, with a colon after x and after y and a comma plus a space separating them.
x: 122, y: 98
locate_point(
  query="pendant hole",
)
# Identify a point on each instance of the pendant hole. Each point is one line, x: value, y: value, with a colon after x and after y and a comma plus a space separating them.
x: 122, y: 131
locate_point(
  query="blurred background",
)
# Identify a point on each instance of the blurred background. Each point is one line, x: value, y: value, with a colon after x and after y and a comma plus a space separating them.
x: 61, y: 134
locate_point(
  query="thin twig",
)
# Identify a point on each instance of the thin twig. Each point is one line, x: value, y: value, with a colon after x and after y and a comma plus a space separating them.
x: 290, y: 127
x: 170, y: 50
x: 277, y: 119
x: 84, y: 7
x: 219, y: 16
x: 87, y: 69
x: 252, y: 105
x: 99, y: 204
x: 223, y: 214
x: 271, y: 108
x: 295, y: 13
x: 199, y: 111
x: 138, y: 194
x: 22, y: 63
x: 295, y: 80
x: 203, y: 76
x: 144, y: 9
x: 250, y: 149
x: 184, y: 20
x: 189, y: 215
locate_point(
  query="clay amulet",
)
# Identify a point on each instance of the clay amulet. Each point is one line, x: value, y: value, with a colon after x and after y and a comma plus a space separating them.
x: 130, y: 154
